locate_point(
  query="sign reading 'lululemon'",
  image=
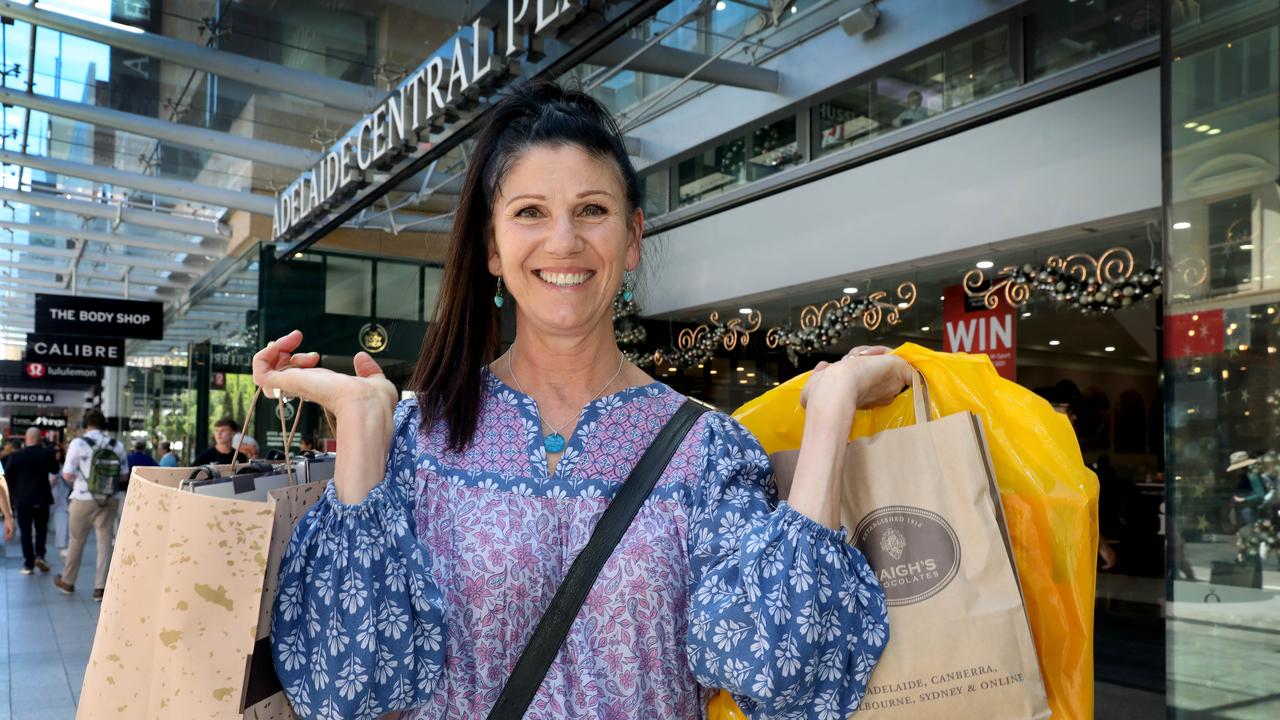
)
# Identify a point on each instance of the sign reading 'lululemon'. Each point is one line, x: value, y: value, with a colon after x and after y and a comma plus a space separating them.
x: 74, y: 349
x: 483, y: 56
x: 101, y: 317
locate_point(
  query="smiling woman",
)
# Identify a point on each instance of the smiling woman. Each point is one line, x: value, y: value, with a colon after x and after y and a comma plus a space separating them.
x: 418, y: 586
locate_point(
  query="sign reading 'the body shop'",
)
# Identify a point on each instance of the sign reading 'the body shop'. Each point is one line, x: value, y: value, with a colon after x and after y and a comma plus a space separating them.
x: 102, y: 317
x: 75, y: 350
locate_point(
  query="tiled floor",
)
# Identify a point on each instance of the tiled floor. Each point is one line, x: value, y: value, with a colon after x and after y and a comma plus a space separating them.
x: 45, y: 640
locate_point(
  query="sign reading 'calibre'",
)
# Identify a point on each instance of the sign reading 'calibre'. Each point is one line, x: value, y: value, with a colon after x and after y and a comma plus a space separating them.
x: 100, y: 317
x: 75, y: 350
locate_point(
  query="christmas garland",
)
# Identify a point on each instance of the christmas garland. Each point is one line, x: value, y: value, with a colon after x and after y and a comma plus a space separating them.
x: 1092, y: 286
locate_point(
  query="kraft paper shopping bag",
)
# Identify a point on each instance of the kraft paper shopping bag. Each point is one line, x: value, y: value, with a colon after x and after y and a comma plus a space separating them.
x: 922, y: 506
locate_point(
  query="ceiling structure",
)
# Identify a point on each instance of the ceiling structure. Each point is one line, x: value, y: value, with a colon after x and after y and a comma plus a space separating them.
x: 140, y: 137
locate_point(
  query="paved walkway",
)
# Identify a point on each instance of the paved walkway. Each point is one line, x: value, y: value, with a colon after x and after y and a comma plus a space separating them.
x: 45, y: 641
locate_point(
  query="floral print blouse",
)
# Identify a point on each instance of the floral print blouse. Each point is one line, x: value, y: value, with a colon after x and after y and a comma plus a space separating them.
x: 424, y: 594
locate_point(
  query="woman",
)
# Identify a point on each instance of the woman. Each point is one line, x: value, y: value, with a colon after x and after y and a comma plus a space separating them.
x: 418, y: 587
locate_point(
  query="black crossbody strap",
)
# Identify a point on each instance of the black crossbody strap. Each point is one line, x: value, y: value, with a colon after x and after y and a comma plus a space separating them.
x: 547, y: 638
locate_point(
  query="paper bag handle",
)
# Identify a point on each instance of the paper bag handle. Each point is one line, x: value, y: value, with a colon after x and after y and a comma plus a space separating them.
x: 286, y: 432
x: 920, y: 395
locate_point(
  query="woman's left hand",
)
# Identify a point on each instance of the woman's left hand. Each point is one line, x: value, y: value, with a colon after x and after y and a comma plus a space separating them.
x: 868, y: 376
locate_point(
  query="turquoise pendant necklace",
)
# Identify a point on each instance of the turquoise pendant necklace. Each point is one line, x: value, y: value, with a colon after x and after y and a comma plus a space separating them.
x: 553, y: 441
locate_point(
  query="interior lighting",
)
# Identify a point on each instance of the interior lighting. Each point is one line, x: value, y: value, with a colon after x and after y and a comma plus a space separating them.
x: 1190, y: 125
x: 1191, y: 411
x: 1026, y: 314
x: 1247, y: 246
x: 297, y: 255
x: 985, y: 264
x: 1226, y: 374
x: 742, y: 382
x: 713, y: 372
x: 1243, y: 347
x: 720, y: 5
x: 671, y: 369
x: 1195, y: 370
x: 794, y: 10
x: 1110, y: 348
x: 850, y: 291
x: 1055, y: 343
x: 1214, y: 131
x: 1271, y: 311
x: 924, y: 329
x: 751, y: 374
x: 699, y: 366
x: 1203, y: 128
x: 744, y: 311
x: 1184, y: 225
x: 903, y: 306
x: 1271, y: 349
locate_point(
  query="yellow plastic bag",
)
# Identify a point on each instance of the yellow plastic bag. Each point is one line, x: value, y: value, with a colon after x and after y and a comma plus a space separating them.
x: 1050, y: 501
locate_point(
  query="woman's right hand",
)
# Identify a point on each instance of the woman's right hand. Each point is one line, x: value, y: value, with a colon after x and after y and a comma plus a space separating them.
x: 362, y: 406
x: 279, y: 367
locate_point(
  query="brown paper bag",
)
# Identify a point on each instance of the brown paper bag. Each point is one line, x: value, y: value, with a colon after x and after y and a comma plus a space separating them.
x: 922, y: 506
x: 184, y: 622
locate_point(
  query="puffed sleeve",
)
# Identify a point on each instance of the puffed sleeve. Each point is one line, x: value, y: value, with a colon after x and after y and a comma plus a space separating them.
x: 785, y: 614
x: 357, y: 629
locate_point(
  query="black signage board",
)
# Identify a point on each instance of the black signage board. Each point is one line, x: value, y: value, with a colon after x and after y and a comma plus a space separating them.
x: 99, y: 317
x: 20, y: 423
x: 229, y: 359
x: 24, y: 397
x: 107, y: 352
x: 47, y: 372
x: 135, y: 78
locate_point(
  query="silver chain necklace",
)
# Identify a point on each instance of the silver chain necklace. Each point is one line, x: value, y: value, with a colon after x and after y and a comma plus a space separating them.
x: 554, y: 441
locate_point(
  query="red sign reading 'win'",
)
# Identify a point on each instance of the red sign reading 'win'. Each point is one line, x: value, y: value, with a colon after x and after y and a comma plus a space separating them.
x: 969, y: 327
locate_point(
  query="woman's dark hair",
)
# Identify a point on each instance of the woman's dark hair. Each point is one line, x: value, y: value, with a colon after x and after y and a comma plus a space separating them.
x: 463, y: 336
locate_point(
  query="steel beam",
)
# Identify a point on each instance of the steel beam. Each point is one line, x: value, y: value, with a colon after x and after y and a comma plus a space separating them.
x: 220, y: 197
x: 213, y: 232
x: 672, y: 62
x: 135, y: 281
x: 327, y: 91
x: 36, y: 249
x: 111, y: 238
x: 285, y: 156
x: 192, y: 265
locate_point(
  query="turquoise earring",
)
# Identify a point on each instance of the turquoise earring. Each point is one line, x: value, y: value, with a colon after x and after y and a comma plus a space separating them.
x: 627, y: 292
x: 497, y: 295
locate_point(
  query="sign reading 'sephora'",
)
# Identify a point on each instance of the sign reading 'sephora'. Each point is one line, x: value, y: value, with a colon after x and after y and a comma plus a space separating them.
x: 482, y: 56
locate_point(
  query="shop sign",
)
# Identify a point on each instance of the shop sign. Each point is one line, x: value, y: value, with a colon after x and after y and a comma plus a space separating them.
x: 75, y: 349
x: 481, y: 58
x: 20, y: 423
x: 374, y: 338
x: 969, y: 327
x: 105, y: 317
x: 1194, y: 334
x: 229, y: 359
x: 47, y: 372
x: 26, y: 397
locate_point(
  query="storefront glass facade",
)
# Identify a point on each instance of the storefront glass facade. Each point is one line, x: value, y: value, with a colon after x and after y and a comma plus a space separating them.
x: 1222, y: 330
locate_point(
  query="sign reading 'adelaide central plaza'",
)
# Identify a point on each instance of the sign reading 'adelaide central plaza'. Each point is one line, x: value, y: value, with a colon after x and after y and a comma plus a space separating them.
x: 483, y: 56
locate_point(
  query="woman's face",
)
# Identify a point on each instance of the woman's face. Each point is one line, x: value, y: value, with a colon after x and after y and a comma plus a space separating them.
x: 562, y: 238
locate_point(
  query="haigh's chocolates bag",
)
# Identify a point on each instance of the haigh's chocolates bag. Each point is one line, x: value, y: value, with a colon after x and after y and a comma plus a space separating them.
x: 923, y: 507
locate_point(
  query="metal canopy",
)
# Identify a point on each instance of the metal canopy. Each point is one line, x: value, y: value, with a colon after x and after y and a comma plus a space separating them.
x: 327, y: 91
x: 285, y: 156
x: 215, y: 233
x: 220, y: 197
x: 673, y: 62
x: 110, y: 238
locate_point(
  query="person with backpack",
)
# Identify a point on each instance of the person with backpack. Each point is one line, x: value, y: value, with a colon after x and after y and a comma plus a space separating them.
x: 96, y: 464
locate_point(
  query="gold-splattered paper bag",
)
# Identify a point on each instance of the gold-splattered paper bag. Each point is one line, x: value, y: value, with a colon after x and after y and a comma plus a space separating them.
x: 183, y: 627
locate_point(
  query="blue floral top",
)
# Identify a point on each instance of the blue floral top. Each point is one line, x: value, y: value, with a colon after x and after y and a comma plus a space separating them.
x: 424, y: 594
